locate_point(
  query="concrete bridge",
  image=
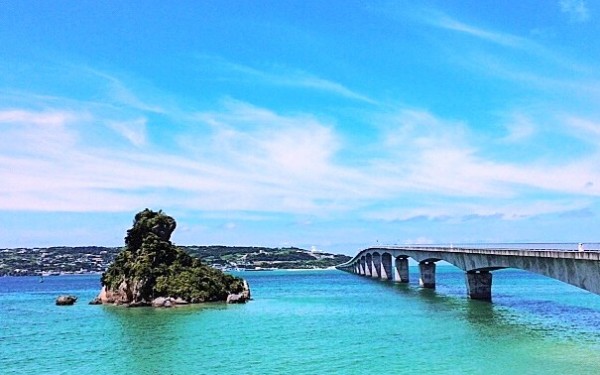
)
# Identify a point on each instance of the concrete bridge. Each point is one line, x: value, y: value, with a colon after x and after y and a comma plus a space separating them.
x: 578, y: 268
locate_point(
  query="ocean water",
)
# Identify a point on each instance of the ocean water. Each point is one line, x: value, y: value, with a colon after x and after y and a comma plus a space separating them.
x: 307, y: 322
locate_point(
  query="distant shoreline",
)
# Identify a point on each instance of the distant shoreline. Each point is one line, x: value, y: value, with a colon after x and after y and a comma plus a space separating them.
x: 233, y: 271
x: 95, y: 259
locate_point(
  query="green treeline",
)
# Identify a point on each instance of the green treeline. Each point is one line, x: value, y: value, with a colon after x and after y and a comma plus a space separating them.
x: 86, y: 259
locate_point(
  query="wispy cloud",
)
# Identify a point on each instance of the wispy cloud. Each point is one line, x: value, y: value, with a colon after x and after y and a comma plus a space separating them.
x: 281, y: 76
x: 45, y: 132
x: 584, y: 128
x: 466, y: 211
x: 239, y: 157
x: 526, y: 47
x: 446, y: 22
x: 577, y: 10
x: 134, y: 131
x: 294, y: 153
x: 52, y: 118
x: 119, y: 93
x: 519, y: 128
x: 564, y: 75
x: 428, y: 154
x: 257, y: 160
x: 247, y: 164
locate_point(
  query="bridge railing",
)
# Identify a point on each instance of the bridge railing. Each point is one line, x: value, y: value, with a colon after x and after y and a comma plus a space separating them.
x: 531, y: 246
x: 589, y: 247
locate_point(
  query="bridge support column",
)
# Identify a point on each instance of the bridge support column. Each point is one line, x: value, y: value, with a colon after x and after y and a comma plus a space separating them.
x: 427, y: 279
x: 386, y: 266
x: 376, y: 270
x: 479, y: 285
x: 401, y: 274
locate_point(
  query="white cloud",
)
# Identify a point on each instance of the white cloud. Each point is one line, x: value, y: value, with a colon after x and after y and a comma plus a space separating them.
x: 576, y: 10
x: 499, y: 209
x: 520, y: 127
x: 134, y: 131
x: 45, y: 132
x: 427, y: 154
x: 430, y: 155
x: 252, y: 159
x: 278, y: 148
x: 53, y: 118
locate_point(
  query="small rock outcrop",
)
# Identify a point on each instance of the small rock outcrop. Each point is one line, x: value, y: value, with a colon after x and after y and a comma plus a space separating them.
x: 151, y: 271
x: 168, y: 302
x: 242, y: 297
x: 65, y: 300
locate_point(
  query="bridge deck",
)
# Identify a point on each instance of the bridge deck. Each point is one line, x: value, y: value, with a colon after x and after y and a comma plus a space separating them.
x: 578, y: 268
x: 538, y: 253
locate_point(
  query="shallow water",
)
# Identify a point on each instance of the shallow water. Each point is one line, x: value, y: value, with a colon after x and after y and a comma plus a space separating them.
x: 307, y: 322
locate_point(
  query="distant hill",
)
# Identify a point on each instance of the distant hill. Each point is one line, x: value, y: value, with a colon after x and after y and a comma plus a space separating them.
x: 264, y: 257
x: 88, y: 259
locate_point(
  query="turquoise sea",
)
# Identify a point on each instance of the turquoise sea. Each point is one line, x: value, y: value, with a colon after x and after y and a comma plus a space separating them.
x: 307, y: 322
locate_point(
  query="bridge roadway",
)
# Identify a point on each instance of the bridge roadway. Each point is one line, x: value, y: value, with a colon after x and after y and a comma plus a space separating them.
x: 578, y: 268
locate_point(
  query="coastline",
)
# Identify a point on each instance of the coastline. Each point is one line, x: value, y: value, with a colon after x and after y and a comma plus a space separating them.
x: 93, y: 259
x: 233, y: 271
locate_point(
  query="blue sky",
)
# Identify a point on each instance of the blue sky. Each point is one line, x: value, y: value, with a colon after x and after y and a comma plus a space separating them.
x: 334, y: 124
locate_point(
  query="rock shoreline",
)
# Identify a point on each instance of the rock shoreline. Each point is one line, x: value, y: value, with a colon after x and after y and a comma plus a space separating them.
x: 123, y: 298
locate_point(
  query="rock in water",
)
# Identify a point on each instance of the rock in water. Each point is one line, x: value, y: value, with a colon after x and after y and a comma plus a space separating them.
x: 242, y: 297
x: 65, y: 300
x: 159, y: 302
x: 236, y: 298
x: 150, y: 266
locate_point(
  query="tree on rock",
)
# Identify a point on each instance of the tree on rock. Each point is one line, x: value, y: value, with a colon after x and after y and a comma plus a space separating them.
x: 150, y: 266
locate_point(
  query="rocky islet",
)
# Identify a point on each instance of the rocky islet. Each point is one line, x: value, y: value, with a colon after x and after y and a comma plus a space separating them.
x: 152, y: 271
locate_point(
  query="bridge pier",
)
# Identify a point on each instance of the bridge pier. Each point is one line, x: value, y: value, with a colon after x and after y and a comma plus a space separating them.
x: 577, y: 268
x: 362, y: 267
x: 386, y: 266
x: 427, y: 279
x: 376, y: 274
x: 368, y: 265
x: 401, y: 274
x: 479, y: 285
